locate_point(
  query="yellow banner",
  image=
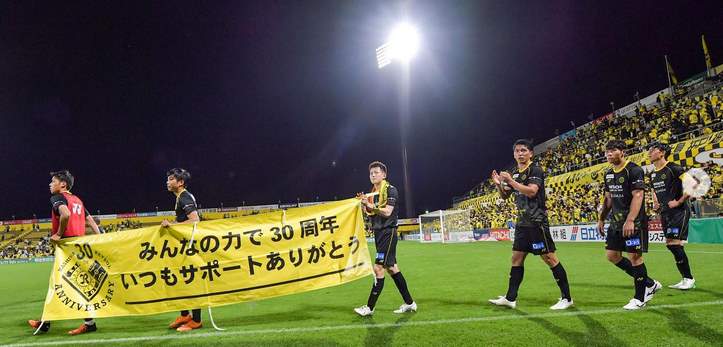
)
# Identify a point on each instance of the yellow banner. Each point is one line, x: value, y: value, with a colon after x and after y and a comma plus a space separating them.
x: 153, y: 270
x: 683, y: 153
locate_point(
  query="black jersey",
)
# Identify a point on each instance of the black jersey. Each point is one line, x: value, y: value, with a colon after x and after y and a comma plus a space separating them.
x: 531, y: 211
x: 668, y: 186
x: 379, y: 222
x: 620, y: 185
x: 185, y: 205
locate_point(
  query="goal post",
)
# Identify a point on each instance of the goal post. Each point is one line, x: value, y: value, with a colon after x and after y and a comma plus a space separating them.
x: 445, y: 226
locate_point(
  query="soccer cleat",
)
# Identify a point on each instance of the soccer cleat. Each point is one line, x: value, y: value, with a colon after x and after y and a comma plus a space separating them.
x: 190, y: 325
x: 407, y: 308
x: 684, y: 284
x: 366, y: 311
x: 82, y: 329
x: 502, y: 301
x: 634, y: 304
x: 650, y: 291
x: 36, y: 323
x: 181, y: 320
x: 562, y: 304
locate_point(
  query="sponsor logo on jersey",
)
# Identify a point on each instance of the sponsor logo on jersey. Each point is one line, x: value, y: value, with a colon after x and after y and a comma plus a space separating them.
x: 632, y: 242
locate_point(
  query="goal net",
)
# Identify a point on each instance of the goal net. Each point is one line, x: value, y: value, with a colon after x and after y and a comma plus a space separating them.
x: 445, y: 226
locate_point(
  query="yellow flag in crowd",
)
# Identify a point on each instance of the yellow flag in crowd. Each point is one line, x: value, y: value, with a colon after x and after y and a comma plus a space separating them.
x: 154, y: 269
x: 673, y: 79
x: 708, y: 62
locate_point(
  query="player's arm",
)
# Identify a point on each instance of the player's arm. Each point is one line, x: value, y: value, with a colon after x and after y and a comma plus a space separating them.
x: 64, y: 218
x: 392, y: 197
x: 90, y: 221
x: 656, y: 203
x: 629, y: 227
x: 60, y: 207
x: 683, y: 199
x: 607, y: 205
x: 528, y: 190
x: 638, y: 192
x: 192, y: 218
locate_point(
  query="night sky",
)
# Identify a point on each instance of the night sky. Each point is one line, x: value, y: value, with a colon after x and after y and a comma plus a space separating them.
x: 276, y: 101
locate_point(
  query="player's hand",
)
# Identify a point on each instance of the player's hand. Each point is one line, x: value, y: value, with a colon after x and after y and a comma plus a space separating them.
x: 628, y: 228
x: 601, y: 228
x: 496, y: 177
x: 360, y: 196
x: 367, y: 204
x: 656, y: 206
x: 55, y: 238
x: 505, y: 176
x: 673, y: 203
x: 165, y: 223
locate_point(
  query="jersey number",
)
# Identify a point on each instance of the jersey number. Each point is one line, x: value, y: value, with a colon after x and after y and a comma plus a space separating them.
x: 77, y: 208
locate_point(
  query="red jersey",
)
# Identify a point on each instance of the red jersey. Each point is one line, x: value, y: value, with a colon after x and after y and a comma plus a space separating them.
x: 76, y: 222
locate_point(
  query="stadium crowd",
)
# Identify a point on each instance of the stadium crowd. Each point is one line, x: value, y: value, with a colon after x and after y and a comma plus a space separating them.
x: 668, y: 121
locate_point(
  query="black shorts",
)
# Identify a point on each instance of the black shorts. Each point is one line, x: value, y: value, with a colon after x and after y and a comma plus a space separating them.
x: 675, y: 224
x: 636, y: 243
x: 533, y: 239
x: 386, y: 244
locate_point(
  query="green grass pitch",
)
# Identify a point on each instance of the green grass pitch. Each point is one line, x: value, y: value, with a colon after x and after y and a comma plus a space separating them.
x: 451, y: 284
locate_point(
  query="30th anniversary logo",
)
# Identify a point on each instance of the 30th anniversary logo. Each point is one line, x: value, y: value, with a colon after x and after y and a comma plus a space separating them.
x: 84, y: 284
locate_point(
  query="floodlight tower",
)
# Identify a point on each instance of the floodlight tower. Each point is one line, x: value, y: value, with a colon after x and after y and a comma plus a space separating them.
x: 401, y: 46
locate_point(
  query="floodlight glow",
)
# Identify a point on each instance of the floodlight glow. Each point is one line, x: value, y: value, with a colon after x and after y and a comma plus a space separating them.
x: 403, y: 42
x: 402, y: 45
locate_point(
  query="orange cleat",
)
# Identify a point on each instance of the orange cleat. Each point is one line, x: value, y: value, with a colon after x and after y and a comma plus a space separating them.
x: 189, y: 326
x: 181, y: 320
x: 36, y: 324
x: 82, y: 329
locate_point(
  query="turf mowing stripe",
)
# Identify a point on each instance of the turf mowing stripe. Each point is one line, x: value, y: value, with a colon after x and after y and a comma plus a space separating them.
x: 686, y: 251
x: 354, y: 326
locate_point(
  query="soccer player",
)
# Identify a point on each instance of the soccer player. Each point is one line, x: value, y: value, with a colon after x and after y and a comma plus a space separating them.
x: 628, y: 232
x: 382, y: 212
x: 69, y: 217
x: 186, y: 212
x: 673, y: 207
x: 532, y: 230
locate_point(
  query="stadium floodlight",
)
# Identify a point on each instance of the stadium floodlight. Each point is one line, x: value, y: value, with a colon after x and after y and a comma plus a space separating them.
x: 402, y: 45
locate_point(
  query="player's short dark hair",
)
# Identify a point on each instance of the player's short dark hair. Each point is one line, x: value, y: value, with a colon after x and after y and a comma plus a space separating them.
x: 180, y: 175
x: 64, y: 176
x: 615, y: 144
x: 524, y: 142
x: 661, y: 146
x: 378, y: 164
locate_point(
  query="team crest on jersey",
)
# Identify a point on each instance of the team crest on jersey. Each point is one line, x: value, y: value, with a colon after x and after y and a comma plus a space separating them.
x: 621, y: 179
x: 524, y: 177
x: 662, y: 177
x: 85, y: 284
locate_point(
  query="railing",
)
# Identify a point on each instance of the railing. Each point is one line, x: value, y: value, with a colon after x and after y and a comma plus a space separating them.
x: 708, y: 207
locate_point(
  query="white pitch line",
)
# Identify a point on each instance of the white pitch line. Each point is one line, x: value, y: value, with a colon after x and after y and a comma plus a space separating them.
x: 354, y: 326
